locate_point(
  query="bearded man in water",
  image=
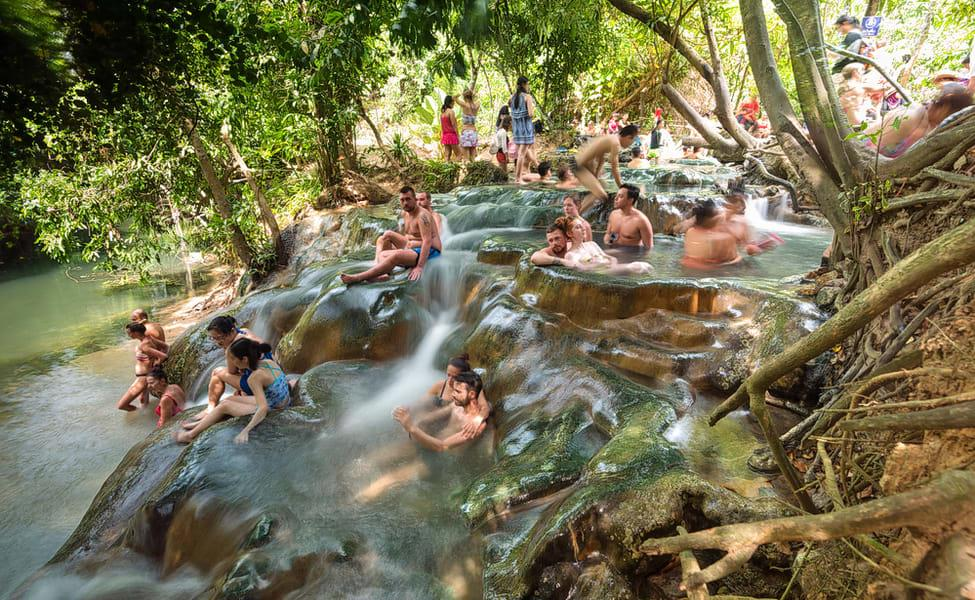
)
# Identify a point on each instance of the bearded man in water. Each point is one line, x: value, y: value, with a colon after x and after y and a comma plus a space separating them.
x: 417, y: 223
x: 554, y: 253
x: 592, y: 156
x: 628, y: 227
x: 463, y: 411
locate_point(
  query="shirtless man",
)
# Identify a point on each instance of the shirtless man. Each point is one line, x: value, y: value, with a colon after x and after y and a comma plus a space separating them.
x: 540, y: 176
x: 417, y: 223
x: 424, y: 200
x: 395, y: 240
x: 554, y: 253
x: 708, y: 243
x: 152, y: 329
x: 566, y: 180
x: 592, y: 156
x: 628, y: 227
x: 639, y: 160
x: 464, y: 411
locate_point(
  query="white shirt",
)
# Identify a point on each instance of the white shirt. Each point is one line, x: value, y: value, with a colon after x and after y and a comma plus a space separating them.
x: 501, y: 140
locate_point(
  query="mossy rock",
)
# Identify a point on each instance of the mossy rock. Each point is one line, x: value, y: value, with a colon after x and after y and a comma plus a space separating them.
x: 361, y: 227
x: 498, y: 250
x: 591, y: 297
x: 189, y: 354
x: 374, y: 321
x: 327, y: 386
x: 482, y: 172
x: 779, y: 323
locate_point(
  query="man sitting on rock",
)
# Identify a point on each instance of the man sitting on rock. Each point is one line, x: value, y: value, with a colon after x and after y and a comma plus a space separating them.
x: 628, y: 227
x: 554, y: 253
x: 462, y: 412
x: 417, y: 223
x: 426, y: 202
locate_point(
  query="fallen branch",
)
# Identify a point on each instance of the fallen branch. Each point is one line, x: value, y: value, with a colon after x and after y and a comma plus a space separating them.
x: 948, y: 498
x: 921, y: 198
x: 956, y: 416
x: 948, y: 177
x: 930, y: 403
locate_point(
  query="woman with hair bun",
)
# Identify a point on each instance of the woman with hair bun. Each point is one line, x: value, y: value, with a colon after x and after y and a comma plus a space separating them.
x: 149, y: 353
x: 440, y: 393
x: 263, y: 384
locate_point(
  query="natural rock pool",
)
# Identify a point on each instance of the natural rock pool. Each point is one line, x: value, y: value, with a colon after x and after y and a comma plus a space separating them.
x: 596, y: 443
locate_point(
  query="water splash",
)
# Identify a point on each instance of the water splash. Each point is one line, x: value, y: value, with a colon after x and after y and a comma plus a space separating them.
x: 410, y: 379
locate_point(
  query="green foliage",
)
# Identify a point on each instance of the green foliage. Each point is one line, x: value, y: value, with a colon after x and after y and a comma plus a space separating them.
x: 438, y: 176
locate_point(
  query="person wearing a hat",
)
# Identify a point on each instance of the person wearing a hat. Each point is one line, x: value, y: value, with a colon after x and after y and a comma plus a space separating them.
x: 849, y: 27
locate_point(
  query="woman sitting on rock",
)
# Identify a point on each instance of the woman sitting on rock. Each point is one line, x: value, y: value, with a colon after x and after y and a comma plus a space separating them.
x: 588, y: 256
x: 263, y: 383
x: 223, y: 331
x: 172, y: 399
x: 708, y: 244
x: 441, y: 395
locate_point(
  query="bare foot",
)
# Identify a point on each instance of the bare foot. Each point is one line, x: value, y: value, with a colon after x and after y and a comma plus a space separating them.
x: 347, y: 279
x: 127, y: 408
x: 182, y: 437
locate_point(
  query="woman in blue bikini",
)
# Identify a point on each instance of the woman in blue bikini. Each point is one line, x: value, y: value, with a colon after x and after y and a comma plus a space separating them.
x: 263, y: 383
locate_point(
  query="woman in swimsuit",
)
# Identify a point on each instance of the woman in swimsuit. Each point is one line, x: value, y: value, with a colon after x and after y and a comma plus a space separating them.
x: 172, y: 399
x: 149, y: 353
x: 469, y: 107
x: 441, y: 394
x: 263, y: 382
x: 902, y: 128
x: 223, y: 331
x: 708, y: 244
x: 448, y: 128
x: 588, y: 256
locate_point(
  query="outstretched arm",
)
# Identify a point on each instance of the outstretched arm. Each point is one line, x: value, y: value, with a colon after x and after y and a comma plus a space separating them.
x: 543, y: 259
x: 402, y: 414
x: 614, y: 164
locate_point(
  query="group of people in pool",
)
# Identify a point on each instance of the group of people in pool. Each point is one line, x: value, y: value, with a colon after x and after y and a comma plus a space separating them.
x: 261, y: 385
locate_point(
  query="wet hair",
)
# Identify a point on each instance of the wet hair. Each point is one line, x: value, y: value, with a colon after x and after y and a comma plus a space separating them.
x: 223, y: 324
x: 637, y: 152
x: 517, y: 99
x: 462, y: 362
x: 703, y: 211
x: 251, y: 350
x: 472, y: 380
x: 136, y: 328
x: 141, y: 313
x: 845, y: 18
x: 158, y: 373
x: 632, y: 192
x: 564, y: 224
x: 556, y: 226
x: 408, y: 190
x: 630, y: 130
x: 563, y: 173
x: 448, y: 102
x: 954, y: 97
x: 544, y: 168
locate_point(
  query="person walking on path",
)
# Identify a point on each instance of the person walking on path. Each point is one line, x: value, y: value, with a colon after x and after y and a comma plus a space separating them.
x: 522, y: 107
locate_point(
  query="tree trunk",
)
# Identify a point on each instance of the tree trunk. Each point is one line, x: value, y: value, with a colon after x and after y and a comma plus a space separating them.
x: 700, y: 124
x: 905, y: 75
x: 785, y: 123
x: 219, y: 194
x: 267, y: 215
x: 375, y: 132
x: 874, y: 8
x: 182, y: 252
x: 723, y: 108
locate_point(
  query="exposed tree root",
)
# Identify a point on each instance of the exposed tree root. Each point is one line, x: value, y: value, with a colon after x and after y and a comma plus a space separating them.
x: 689, y: 566
x: 957, y: 416
x: 948, y: 498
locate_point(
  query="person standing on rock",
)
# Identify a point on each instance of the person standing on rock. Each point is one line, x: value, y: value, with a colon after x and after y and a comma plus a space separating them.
x: 152, y: 329
x: 628, y: 227
x: 415, y: 219
x: 263, y: 384
x: 463, y: 411
x: 592, y: 156
x: 469, y: 107
x: 522, y: 107
x: 149, y: 353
